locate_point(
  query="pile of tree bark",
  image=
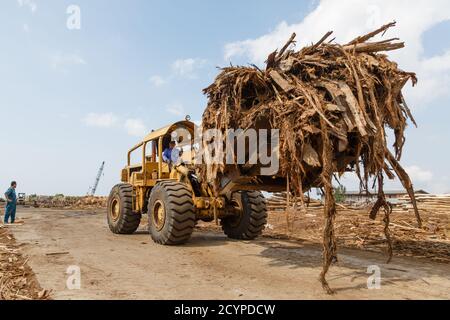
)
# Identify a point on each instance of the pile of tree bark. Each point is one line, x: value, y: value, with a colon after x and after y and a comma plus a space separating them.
x: 333, y: 105
x: 17, y: 280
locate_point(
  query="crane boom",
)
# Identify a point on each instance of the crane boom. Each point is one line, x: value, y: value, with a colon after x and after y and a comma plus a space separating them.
x: 97, y: 179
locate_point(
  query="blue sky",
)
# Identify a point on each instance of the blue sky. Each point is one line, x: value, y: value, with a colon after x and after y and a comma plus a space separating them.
x: 71, y: 99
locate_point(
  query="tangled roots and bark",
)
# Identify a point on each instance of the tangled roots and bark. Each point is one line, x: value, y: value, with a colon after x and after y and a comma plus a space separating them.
x: 332, y: 105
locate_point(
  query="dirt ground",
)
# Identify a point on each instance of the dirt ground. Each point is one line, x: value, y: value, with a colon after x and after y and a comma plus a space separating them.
x: 209, y: 267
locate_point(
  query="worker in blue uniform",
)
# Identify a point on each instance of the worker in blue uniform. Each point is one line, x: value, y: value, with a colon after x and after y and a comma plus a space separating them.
x: 11, y: 200
x: 172, y: 155
x: 167, y: 154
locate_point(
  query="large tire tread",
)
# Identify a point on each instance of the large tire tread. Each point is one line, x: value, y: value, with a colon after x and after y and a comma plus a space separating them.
x: 254, y: 218
x: 128, y: 221
x: 180, y: 214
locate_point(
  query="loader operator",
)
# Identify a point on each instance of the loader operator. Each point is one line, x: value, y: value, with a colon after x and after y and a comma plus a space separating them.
x: 11, y: 200
x: 172, y: 155
x: 167, y: 154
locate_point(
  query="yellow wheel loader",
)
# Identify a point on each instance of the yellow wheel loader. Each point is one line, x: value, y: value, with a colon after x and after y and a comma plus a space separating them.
x: 175, y: 198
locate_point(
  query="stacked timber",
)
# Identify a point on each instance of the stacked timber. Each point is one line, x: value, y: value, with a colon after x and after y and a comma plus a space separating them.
x: 438, y: 204
x: 278, y: 202
x: 62, y: 202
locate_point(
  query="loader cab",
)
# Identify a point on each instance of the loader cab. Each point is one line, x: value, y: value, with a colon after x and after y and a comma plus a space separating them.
x: 152, y: 168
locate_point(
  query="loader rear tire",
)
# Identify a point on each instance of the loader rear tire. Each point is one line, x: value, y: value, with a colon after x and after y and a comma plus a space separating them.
x: 252, y: 219
x: 171, y: 215
x: 121, y: 218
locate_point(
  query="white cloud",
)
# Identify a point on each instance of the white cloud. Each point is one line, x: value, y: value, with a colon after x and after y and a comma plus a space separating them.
x: 26, y: 28
x: 62, y: 62
x: 187, y: 67
x: 419, y: 175
x: 427, y: 180
x: 180, y: 68
x: 100, y: 120
x: 176, y: 109
x: 32, y: 5
x: 158, y: 81
x: 350, y: 18
x: 135, y: 127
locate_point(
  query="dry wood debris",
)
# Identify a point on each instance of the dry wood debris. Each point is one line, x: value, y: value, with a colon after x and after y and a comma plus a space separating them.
x: 354, y: 230
x: 17, y: 280
x: 333, y: 105
x: 61, y: 202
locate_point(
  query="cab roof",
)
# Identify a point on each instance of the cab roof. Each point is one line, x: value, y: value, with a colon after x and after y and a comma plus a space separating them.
x: 168, y: 129
x: 156, y: 134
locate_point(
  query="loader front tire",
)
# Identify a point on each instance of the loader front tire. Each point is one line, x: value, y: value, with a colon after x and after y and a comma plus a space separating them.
x: 252, y: 218
x: 171, y: 215
x: 121, y: 218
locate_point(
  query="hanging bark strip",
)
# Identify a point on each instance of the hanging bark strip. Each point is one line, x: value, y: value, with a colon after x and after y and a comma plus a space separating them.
x: 407, y: 184
x: 387, y: 231
x: 382, y: 203
x: 333, y: 105
x: 329, y: 241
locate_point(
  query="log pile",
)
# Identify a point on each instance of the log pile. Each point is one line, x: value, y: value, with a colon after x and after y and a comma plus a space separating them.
x: 438, y: 204
x: 279, y: 202
x: 332, y: 104
x: 61, y: 202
